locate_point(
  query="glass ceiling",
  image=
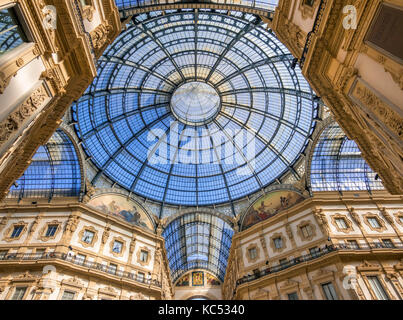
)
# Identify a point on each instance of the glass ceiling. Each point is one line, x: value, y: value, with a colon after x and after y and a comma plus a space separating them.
x: 198, y: 241
x: 264, y: 4
x: 54, y: 171
x: 195, y: 103
x: 337, y: 164
x: 128, y: 117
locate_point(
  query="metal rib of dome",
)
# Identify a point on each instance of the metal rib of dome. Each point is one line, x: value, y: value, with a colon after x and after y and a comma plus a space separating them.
x: 125, y: 118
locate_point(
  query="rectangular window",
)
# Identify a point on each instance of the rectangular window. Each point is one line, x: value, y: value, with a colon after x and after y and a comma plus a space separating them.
x: 19, y: 293
x: 353, y: 244
x: 377, y: 288
x: 51, y: 230
x: 401, y: 219
x: 388, y: 243
x: 12, y: 34
x: 306, y: 231
x: 252, y: 253
x: 278, y: 242
x: 140, y: 276
x: 88, y: 236
x: 68, y: 295
x: 112, y: 268
x: 293, y: 296
x: 283, y: 261
x: 329, y: 291
x: 341, y: 223
x: 143, y: 256
x: 17, y: 231
x: 117, y: 247
x: 374, y: 223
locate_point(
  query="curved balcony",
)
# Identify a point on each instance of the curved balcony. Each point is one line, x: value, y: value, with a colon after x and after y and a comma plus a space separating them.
x: 54, y: 256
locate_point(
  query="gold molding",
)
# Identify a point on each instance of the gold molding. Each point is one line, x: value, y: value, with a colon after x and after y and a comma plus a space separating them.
x: 16, y: 119
x: 112, y: 242
x: 283, y: 240
x: 346, y: 220
x: 302, y: 224
x: 9, y: 231
x: 399, y: 215
x: 94, y: 239
x: 247, y: 253
x: 379, y: 219
x: 145, y: 249
x: 42, y: 232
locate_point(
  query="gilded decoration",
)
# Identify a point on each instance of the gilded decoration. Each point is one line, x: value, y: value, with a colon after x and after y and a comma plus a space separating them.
x: 269, y: 205
x: 348, y: 222
x: 184, y: 281
x: 145, y: 249
x: 73, y: 282
x: 42, y: 233
x: 212, y: 280
x: 283, y: 242
x: 122, y: 250
x: 248, y: 253
x: 311, y: 226
x: 94, y: 239
x: 380, y: 108
x: 382, y: 226
x: 398, y: 216
x: 198, y: 279
x: 9, y: 231
x: 16, y: 119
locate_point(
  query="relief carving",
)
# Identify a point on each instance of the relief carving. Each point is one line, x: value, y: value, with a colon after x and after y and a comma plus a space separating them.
x: 23, y: 112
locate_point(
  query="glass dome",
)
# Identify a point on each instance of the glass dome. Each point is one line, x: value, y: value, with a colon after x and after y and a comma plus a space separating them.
x: 195, y: 103
x: 195, y: 108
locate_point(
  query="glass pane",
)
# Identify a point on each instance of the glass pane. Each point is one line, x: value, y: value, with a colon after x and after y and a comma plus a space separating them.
x: 377, y: 288
x: 11, y: 35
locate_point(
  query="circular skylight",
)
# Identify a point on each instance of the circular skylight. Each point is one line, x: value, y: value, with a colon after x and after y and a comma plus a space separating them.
x: 195, y: 103
x: 195, y: 108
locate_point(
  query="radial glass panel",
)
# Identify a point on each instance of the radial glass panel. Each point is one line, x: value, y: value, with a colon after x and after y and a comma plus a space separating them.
x: 195, y: 108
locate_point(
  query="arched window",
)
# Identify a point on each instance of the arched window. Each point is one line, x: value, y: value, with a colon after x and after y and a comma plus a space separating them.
x: 54, y: 171
x: 337, y: 164
x: 198, y: 241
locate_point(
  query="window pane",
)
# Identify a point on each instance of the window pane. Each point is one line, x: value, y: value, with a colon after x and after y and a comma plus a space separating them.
x: 11, y: 35
x: 88, y: 236
x: 51, y: 230
x: 329, y: 291
x: 117, y: 247
x: 17, y: 231
x: 341, y: 223
x: 377, y: 288
x: 293, y: 296
x: 68, y: 295
x: 374, y: 222
x: 19, y: 293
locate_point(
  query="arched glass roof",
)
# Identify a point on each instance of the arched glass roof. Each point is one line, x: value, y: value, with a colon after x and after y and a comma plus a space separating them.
x: 264, y: 4
x: 130, y: 131
x: 198, y: 241
x: 54, y: 171
x: 337, y: 164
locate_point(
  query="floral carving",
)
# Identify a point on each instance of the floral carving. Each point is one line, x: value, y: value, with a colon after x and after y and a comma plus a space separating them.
x: 14, y: 121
